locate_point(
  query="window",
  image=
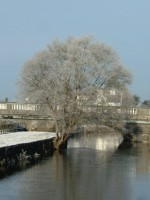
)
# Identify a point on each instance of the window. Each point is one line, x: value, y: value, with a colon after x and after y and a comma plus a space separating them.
x: 112, y: 92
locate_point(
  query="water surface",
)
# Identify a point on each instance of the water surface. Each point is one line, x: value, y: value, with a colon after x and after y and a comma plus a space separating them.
x: 89, y: 171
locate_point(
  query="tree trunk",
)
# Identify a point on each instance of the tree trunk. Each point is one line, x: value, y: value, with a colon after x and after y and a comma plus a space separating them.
x: 60, y: 142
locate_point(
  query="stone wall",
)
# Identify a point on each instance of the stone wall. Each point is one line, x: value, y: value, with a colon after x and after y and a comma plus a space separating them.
x: 140, y: 131
x: 34, y: 124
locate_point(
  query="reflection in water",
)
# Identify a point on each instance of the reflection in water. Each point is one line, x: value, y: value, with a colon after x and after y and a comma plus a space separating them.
x: 84, y: 173
x: 95, y: 142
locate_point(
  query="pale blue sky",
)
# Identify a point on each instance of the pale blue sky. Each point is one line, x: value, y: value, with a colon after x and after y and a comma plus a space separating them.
x: 27, y: 26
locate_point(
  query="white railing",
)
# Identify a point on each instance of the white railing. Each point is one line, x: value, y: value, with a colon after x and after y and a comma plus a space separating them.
x: 18, y: 106
x: 3, y: 106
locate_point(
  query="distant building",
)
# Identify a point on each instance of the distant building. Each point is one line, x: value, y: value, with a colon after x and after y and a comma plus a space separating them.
x: 109, y: 97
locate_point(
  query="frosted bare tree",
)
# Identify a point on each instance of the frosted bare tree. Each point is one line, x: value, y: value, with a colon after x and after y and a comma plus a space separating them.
x: 66, y: 75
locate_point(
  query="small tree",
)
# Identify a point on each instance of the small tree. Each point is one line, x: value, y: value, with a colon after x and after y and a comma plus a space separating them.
x: 146, y: 103
x: 6, y: 99
x: 66, y: 75
x: 136, y: 100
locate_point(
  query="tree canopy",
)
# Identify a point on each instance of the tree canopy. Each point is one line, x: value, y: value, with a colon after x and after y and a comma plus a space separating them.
x: 146, y: 103
x: 66, y: 75
x: 137, y: 99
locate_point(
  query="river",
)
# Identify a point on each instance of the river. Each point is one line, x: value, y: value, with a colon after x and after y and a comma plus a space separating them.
x: 91, y: 169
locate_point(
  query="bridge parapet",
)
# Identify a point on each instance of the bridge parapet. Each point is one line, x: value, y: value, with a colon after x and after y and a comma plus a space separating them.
x: 10, y: 109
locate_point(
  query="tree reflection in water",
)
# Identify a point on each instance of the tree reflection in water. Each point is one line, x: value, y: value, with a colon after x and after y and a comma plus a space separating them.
x: 84, y: 173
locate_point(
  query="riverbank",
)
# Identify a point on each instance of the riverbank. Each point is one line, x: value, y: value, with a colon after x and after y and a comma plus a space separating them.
x: 18, y: 138
x: 20, y: 146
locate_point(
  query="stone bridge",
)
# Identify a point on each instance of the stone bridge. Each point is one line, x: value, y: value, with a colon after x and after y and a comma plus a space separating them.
x: 36, y: 118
